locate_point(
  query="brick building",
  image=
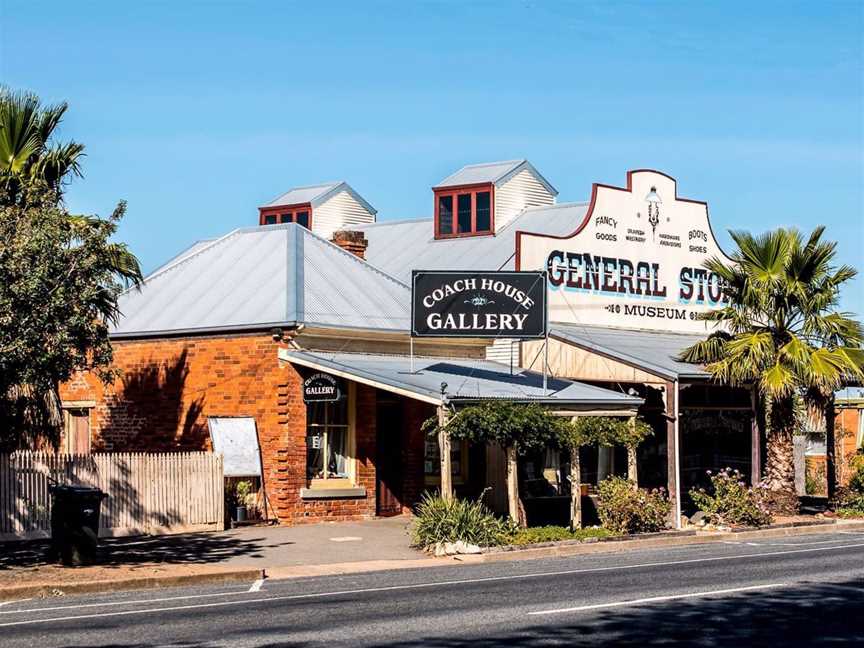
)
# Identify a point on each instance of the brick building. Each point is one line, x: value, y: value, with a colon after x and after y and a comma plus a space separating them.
x: 232, y: 327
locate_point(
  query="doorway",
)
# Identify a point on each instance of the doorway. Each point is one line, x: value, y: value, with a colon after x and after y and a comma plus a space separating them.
x: 388, y: 457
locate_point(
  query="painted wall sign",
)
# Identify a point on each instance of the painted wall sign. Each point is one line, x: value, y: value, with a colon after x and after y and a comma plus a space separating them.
x: 478, y: 304
x: 321, y: 387
x: 635, y: 261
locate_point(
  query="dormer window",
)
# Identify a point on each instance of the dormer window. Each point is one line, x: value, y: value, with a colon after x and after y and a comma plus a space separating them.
x: 302, y: 215
x: 463, y: 212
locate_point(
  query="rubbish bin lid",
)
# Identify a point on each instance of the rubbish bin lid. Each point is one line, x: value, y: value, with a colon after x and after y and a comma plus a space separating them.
x: 68, y: 489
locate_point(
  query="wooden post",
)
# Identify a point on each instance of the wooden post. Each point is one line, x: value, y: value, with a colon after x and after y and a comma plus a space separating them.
x: 632, y: 466
x: 575, y: 489
x: 672, y: 452
x: 831, y: 446
x: 444, y: 450
x: 513, y: 484
x: 755, y: 440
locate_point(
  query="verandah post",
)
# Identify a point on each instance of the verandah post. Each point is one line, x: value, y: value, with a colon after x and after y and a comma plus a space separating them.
x: 632, y: 467
x: 444, y: 450
x: 575, y: 488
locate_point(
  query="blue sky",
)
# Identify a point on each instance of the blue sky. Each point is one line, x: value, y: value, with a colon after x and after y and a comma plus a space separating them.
x: 198, y: 112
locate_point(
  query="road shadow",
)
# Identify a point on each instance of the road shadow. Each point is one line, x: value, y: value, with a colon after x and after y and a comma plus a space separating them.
x: 186, y: 548
x: 803, y: 615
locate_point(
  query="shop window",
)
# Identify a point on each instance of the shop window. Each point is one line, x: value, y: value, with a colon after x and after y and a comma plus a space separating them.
x: 463, y: 213
x: 432, y: 462
x: 327, y: 440
x: 76, y: 430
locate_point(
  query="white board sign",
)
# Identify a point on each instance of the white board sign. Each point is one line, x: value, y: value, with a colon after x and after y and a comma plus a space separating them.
x: 237, y: 440
x: 635, y: 261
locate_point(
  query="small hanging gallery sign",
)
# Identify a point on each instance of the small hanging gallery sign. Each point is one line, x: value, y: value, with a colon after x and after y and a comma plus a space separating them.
x: 321, y: 387
x: 478, y: 304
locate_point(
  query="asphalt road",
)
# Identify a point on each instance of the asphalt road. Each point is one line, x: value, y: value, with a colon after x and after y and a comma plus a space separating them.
x: 798, y: 591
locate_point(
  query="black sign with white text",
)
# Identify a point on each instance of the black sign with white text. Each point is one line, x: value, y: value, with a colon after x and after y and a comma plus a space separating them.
x: 321, y: 387
x: 478, y: 304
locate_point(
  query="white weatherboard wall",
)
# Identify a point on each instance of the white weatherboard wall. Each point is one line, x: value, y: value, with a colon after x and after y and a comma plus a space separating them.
x: 617, y: 232
x: 339, y: 212
x: 503, y: 350
x: 521, y: 191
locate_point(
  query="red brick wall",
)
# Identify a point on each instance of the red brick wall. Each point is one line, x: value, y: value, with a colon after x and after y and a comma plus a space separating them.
x: 413, y: 442
x: 170, y: 386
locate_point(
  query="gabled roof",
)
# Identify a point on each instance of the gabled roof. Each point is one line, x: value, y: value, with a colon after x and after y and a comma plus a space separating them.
x: 316, y: 195
x: 262, y: 277
x: 654, y: 352
x: 463, y: 380
x: 398, y: 247
x: 496, y: 173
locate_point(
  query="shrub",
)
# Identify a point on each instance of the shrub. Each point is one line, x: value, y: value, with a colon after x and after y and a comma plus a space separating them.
x: 731, y: 502
x: 554, y: 534
x: 441, y: 520
x: 856, y: 481
x: 623, y: 508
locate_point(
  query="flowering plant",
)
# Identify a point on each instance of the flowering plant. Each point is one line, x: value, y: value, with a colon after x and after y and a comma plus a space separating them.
x: 731, y: 502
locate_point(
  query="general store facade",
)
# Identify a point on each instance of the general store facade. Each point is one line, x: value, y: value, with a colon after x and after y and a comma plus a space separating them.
x: 233, y: 328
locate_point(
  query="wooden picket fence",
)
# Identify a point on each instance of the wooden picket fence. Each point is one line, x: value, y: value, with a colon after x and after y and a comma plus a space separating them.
x: 148, y: 493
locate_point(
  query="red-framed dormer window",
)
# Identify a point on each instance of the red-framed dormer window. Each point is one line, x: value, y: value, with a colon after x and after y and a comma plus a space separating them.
x: 464, y: 211
x: 300, y: 214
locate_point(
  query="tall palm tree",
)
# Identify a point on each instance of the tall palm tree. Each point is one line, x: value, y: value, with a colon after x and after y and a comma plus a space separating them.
x: 27, y: 148
x: 781, y: 331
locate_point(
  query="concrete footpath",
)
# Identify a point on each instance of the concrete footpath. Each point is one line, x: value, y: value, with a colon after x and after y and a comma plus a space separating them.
x: 249, y: 554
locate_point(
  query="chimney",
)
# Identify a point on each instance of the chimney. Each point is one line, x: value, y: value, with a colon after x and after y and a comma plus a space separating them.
x: 352, y: 241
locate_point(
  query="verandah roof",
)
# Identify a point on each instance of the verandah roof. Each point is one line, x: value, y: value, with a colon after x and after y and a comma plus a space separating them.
x: 467, y: 380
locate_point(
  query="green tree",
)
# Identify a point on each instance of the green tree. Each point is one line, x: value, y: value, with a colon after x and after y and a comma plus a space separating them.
x: 518, y: 428
x: 781, y: 330
x: 60, y: 274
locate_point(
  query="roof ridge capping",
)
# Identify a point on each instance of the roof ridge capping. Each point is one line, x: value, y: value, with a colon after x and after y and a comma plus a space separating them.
x: 463, y: 177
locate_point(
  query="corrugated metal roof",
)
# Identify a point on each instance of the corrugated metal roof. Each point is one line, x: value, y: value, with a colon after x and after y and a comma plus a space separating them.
x: 318, y: 194
x: 494, y: 172
x: 264, y: 276
x: 651, y: 351
x: 466, y: 380
x: 398, y: 247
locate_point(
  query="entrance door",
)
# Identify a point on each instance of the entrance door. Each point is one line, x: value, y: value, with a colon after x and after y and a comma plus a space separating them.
x: 388, y: 464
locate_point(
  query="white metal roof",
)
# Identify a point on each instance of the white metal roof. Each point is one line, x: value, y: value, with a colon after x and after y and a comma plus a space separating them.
x: 439, y: 380
x: 316, y: 195
x: 398, y: 247
x: 258, y: 277
x: 652, y: 351
x: 495, y: 172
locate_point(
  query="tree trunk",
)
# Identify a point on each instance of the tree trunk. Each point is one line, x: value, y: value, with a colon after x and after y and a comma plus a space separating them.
x: 513, y: 487
x: 575, y: 489
x: 779, y: 476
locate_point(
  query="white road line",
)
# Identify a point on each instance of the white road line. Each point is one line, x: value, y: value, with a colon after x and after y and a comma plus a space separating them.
x: 393, y: 588
x: 2, y: 603
x: 114, y: 603
x: 657, y: 599
x: 256, y: 586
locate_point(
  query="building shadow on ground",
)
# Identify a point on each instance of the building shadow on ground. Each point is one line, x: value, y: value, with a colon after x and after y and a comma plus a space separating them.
x: 802, y: 615
x: 186, y: 548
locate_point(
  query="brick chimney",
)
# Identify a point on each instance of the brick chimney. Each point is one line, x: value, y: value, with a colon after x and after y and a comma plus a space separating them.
x: 352, y: 241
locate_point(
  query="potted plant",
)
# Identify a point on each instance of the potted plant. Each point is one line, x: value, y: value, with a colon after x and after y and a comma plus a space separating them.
x: 242, y: 490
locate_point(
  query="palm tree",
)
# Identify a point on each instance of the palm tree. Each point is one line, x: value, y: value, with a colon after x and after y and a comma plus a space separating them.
x: 27, y: 148
x: 781, y: 331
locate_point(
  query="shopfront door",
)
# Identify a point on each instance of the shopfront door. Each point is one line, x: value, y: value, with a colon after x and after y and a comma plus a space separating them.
x: 388, y: 465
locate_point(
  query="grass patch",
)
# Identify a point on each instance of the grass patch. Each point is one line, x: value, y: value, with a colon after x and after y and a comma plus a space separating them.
x: 554, y: 534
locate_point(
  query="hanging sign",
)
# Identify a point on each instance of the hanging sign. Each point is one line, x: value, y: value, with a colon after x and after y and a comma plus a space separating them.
x: 321, y: 387
x: 478, y: 304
